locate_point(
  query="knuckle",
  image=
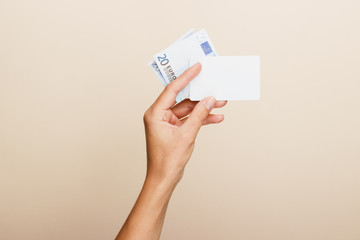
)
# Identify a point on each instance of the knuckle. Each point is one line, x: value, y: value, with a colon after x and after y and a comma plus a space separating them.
x: 198, y: 117
x: 171, y: 87
x: 168, y: 87
x: 147, y: 115
x: 205, y: 122
x: 187, y: 138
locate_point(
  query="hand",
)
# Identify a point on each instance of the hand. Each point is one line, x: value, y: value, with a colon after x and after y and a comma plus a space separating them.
x: 171, y: 131
x: 170, y: 136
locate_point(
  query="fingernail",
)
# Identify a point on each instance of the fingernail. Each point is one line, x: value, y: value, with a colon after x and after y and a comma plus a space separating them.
x: 221, y: 102
x: 196, y: 65
x: 210, y: 103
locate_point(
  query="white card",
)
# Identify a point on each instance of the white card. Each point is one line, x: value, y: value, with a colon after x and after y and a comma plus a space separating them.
x: 226, y: 78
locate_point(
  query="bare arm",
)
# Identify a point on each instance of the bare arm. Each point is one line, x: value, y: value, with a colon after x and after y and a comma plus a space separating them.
x: 170, y: 137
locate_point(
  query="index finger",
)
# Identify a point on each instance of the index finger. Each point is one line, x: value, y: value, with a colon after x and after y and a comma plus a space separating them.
x: 168, y: 95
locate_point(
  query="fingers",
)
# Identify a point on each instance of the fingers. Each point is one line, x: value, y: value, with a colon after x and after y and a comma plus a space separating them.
x: 185, y: 107
x: 211, y: 119
x: 198, y: 116
x: 168, y: 95
x: 220, y: 103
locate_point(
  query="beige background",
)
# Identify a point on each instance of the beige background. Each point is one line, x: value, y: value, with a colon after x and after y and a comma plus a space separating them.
x: 74, y: 85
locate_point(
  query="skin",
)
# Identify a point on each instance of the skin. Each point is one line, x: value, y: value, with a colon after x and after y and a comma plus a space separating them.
x: 170, y: 131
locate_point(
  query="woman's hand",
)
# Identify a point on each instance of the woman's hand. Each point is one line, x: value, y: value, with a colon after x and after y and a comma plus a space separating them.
x: 170, y: 137
x: 171, y: 131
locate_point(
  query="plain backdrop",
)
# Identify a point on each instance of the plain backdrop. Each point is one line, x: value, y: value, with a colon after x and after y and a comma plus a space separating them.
x: 74, y: 84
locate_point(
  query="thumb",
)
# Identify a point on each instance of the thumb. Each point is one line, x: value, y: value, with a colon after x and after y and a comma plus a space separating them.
x: 198, y: 115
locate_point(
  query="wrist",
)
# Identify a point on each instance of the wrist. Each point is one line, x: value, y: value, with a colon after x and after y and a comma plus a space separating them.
x: 164, y: 182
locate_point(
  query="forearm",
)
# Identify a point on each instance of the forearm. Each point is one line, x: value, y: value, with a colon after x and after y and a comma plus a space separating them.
x: 170, y: 131
x: 147, y: 216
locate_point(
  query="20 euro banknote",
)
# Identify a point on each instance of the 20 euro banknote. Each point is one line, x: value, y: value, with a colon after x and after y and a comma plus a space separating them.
x: 154, y: 67
x: 174, y: 60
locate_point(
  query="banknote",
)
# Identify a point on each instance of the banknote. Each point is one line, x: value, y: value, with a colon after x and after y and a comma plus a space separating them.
x: 154, y: 67
x: 174, y: 60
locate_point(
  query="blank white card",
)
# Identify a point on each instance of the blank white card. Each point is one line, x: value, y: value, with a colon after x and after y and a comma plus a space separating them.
x: 227, y: 78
